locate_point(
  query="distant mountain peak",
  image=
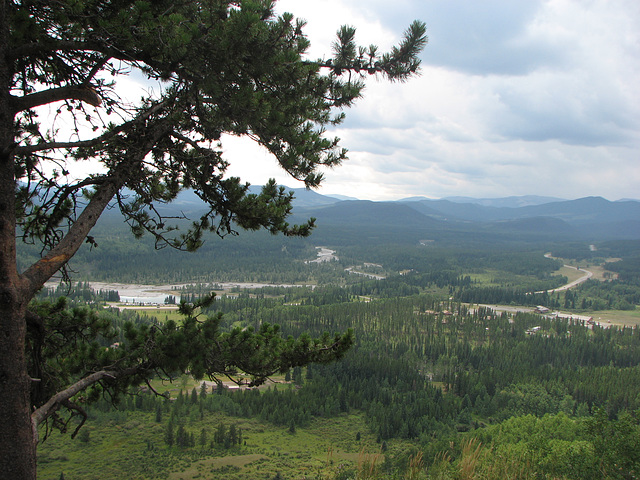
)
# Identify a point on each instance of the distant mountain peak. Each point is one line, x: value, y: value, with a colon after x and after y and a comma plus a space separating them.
x: 509, y: 202
x: 415, y: 199
x: 340, y: 197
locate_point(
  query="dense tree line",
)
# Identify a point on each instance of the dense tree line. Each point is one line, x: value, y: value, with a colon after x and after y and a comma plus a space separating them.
x: 428, y: 371
x: 616, y: 294
x: 628, y: 269
x: 592, y: 295
x: 497, y: 295
x: 260, y: 257
x: 80, y: 292
x: 256, y: 257
x: 598, y: 252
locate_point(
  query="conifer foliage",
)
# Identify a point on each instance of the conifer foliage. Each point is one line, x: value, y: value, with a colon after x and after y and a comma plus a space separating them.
x: 217, y: 67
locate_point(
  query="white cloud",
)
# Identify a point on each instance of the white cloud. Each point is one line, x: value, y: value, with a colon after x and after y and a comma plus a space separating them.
x: 515, y: 98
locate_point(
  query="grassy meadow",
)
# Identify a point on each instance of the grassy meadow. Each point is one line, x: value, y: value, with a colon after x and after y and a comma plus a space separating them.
x: 131, y: 445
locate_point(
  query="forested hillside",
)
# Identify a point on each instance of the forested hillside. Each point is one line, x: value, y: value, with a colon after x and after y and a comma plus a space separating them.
x: 396, y: 234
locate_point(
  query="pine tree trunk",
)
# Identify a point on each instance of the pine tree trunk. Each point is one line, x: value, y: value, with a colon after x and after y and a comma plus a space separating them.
x: 17, y: 442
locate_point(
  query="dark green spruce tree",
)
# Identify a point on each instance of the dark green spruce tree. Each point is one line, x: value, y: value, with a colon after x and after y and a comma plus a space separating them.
x: 220, y: 67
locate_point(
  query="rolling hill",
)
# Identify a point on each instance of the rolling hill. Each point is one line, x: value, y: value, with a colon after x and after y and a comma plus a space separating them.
x: 540, y: 219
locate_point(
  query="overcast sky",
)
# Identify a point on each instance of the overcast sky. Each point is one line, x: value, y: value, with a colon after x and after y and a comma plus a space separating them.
x: 515, y: 97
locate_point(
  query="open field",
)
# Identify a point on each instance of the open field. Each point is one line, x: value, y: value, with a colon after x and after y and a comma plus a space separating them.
x: 315, y: 451
x: 571, y: 273
x: 131, y: 446
x: 629, y: 318
x: 599, y: 272
x: 162, y: 314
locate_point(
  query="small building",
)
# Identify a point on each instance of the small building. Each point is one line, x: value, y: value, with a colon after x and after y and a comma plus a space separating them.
x: 533, y: 330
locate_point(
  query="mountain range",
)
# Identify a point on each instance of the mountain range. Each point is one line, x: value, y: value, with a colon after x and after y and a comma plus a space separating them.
x: 526, y: 217
x: 457, y: 219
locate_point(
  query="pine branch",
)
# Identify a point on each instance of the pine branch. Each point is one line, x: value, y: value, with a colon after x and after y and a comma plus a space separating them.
x: 37, y: 274
x: 141, y: 117
x: 55, y: 402
x: 83, y: 93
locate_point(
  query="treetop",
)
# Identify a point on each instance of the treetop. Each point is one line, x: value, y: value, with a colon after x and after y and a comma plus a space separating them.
x: 221, y: 66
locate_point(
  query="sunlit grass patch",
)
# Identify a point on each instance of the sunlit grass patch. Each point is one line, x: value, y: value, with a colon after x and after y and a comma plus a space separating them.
x: 628, y: 318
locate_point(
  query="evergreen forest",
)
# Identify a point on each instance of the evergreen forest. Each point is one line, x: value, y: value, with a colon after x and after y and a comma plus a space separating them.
x: 453, y: 374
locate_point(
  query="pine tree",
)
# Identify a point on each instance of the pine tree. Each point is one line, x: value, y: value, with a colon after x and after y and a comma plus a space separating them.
x: 203, y: 391
x: 221, y: 434
x: 182, y: 438
x: 233, y: 434
x: 168, y: 433
x: 233, y: 68
x: 203, y: 437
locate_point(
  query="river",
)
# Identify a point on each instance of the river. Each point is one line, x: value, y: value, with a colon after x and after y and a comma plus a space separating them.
x: 155, y: 294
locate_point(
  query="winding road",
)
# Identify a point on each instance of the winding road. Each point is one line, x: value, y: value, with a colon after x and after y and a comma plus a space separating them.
x: 580, y: 280
x: 587, y: 275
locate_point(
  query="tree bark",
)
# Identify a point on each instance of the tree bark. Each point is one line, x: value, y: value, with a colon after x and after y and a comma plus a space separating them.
x: 17, y: 445
x: 17, y: 449
x: 83, y: 93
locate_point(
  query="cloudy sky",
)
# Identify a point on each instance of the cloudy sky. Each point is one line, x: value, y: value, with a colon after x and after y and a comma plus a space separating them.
x: 514, y: 98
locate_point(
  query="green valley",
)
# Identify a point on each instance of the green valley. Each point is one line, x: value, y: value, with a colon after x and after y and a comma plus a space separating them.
x: 436, y: 385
